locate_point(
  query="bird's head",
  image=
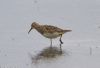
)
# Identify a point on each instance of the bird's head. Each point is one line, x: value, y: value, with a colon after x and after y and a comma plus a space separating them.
x: 33, y: 25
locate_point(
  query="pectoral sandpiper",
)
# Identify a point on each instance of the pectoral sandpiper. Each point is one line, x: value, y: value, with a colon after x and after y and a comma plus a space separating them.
x: 49, y: 31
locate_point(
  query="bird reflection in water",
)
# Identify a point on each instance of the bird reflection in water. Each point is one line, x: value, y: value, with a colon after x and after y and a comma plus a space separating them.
x: 48, y: 53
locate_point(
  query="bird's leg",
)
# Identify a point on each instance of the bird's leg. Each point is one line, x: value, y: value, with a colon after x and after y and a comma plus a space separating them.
x: 60, y: 39
x: 51, y: 42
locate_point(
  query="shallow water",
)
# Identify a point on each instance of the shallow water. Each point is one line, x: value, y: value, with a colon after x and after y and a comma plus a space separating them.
x: 81, y: 48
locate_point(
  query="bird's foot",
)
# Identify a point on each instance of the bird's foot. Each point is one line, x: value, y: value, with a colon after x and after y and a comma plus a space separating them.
x: 61, y: 42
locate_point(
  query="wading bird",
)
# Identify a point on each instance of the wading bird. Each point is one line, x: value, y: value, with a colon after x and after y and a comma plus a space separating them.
x: 49, y: 31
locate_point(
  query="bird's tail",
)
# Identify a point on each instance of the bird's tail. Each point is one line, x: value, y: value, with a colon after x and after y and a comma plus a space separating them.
x: 67, y: 31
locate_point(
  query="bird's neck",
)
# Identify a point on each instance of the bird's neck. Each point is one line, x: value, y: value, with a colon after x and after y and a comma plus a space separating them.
x: 39, y: 28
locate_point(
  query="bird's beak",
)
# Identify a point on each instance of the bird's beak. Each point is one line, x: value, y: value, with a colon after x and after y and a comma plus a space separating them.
x: 30, y: 30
